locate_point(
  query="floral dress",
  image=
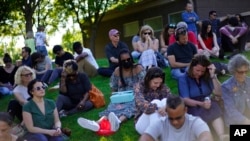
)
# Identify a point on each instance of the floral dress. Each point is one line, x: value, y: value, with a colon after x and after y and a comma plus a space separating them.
x: 126, y: 109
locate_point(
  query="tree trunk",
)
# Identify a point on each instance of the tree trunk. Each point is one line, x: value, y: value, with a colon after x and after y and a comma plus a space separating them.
x: 92, y: 39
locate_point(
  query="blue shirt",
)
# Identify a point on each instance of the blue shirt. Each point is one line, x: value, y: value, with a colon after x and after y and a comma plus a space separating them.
x: 190, y: 22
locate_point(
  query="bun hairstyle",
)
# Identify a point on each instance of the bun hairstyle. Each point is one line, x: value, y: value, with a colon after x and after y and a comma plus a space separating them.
x: 70, y: 66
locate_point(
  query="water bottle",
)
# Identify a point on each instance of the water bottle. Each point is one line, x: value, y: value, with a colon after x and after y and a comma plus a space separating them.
x: 207, y: 98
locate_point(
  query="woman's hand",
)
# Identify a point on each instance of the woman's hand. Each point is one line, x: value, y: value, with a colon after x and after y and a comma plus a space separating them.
x: 54, y: 132
x: 64, y: 74
x: 211, y: 69
x: 207, y: 104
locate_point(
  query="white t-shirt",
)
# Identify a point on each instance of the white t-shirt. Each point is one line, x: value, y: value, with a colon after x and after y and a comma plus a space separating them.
x: 90, y: 57
x: 190, y: 131
x: 40, y: 38
x: 21, y: 90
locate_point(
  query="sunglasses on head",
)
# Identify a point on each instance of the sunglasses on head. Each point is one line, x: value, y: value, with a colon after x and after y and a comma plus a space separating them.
x: 39, y: 88
x: 26, y: 75
x: 172, y: 26
x: 145, y: 33
x: 181, y: 30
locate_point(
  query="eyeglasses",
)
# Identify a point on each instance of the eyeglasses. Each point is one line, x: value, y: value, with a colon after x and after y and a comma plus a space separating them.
x: 242, y: 72
x: 39, y: 88
x: 117, y: 35
x: 126, y: 60
x: 177, y: 118
x: 214, y: 15
x: 145, y: 33
x: 26, y: 75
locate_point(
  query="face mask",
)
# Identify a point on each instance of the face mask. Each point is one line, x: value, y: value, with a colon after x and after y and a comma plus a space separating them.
x: 127, y: 64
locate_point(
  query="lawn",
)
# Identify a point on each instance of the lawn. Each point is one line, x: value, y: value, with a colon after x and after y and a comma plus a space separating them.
x: 126, y: 132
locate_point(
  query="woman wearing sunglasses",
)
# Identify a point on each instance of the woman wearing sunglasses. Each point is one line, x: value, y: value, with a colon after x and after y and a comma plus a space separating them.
x: 150, y: 98
x: 74, y: 87
x: 40, y: 115
x: 23, y: 76
x: 147, y: 45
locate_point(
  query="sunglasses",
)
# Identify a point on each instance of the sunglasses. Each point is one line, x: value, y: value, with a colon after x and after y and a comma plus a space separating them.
x: 71, y: 75
x: 172, y: 26
x: 26, y: 75
x: 39, y: 88
x: 181, y: 31
x: 145, y: 33
x: 214, y: 15
x: 126, y: 60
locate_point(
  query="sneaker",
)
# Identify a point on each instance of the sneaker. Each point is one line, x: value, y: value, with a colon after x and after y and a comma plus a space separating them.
x: 88, y: 124
x: 54, y: 88
x: 62, y: 114
x: 114, y: 121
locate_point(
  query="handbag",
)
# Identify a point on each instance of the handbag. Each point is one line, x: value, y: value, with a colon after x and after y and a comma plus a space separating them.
x: 122, y: 97
x: 96, y: 97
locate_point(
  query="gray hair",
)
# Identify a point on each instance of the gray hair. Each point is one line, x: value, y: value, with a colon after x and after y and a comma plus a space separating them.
x: 236, y: 62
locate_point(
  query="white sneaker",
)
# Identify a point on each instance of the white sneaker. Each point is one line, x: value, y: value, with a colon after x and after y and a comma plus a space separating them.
x: 114, y: 121
x: 88, y: 124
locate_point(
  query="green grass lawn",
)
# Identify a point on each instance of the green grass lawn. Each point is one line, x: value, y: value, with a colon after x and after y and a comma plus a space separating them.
x: 125, y: 133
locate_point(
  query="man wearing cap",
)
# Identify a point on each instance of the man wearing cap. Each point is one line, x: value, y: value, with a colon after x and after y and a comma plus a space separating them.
x: 112, y: 50
x: 180, y: 53
x: 191, y: 36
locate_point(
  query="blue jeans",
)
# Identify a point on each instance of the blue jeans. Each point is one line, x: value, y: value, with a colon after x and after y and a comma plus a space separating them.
x: 64, y: 102
x: 177, y: 72
x: 41, y: 137
x: 56, y: 73
x: 136, y: 54
x: 105, y: 71
x: 5, y: 91
x: 42, y: 50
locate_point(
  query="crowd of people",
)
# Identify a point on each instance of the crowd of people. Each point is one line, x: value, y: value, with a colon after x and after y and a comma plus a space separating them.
x: 186, y: 47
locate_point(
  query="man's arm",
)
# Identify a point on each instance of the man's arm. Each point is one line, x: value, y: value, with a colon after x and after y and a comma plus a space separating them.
x: 146, y: 137
x: 205, y: 136
x: 174, y: 64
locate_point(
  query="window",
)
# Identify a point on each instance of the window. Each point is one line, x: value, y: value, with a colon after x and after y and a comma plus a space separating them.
x: 175, y: 17
x: 155, y: 23
x: 131, y: 28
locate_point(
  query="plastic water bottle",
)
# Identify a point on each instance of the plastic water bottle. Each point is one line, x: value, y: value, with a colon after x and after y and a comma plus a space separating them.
x: 207, y: 98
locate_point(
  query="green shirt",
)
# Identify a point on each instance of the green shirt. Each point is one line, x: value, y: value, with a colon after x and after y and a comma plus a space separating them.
x: 39, y: 119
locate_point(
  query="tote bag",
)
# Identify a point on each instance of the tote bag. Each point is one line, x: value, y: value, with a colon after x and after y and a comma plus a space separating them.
x: 96, y: 97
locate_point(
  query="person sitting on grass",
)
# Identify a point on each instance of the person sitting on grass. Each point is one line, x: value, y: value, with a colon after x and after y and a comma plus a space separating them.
x: 5, y: 127
x: 73, y: 90
x: 23, y: 76
x: 40, y: 115
x: 125, y: 76
x: 177, y: 125
x: 150, y: 99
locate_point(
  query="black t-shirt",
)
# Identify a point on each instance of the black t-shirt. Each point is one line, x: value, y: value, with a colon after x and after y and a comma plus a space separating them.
x: 76, y: 91
x: 6, y: 77
x: 60, y: 60
x: 112, y: 51
x: 182, y: 53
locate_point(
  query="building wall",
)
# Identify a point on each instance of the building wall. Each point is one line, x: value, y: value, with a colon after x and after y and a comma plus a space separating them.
x: 151, y: 8
x: 139, y: 15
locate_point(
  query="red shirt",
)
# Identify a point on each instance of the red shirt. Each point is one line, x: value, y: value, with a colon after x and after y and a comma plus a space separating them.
x: 191, y: 38
x: 208, y: 43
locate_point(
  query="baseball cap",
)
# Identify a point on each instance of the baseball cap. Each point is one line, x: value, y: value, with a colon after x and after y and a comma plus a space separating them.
x: 181, y: 25
x: 113, y: 32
